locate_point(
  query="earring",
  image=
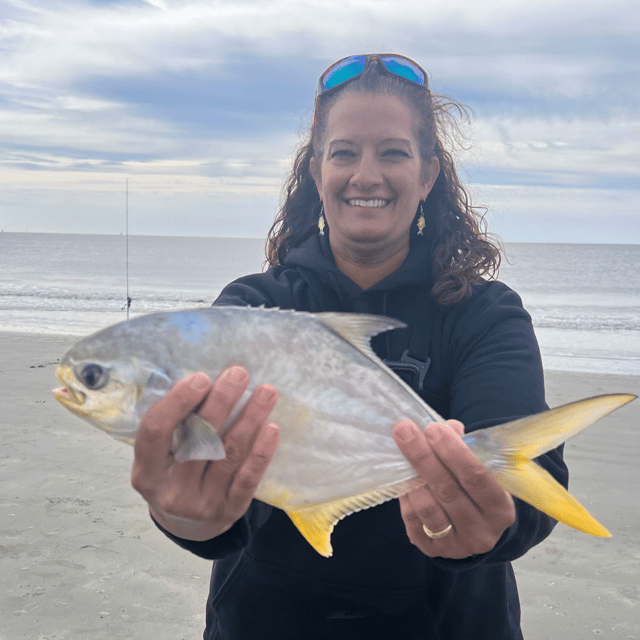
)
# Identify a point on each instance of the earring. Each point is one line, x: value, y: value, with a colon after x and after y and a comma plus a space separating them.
x: 422, y: 223
x: 321, y: 221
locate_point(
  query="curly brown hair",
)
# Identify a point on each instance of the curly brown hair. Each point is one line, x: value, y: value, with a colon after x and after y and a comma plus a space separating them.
x: 463, y: 251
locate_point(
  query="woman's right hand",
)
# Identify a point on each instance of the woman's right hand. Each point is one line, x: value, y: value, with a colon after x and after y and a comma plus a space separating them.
x: 199, y: 500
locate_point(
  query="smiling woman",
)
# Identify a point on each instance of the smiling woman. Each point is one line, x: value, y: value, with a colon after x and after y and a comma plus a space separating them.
x: 374, y: 220
x: 406, y: 126
x: 371, y: 180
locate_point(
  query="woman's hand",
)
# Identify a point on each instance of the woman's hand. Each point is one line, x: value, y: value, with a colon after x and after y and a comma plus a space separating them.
x: 199, y: 500
x: 459, y: 491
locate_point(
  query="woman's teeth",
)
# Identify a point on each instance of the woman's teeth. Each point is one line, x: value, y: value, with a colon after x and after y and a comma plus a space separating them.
x: 368, y: 203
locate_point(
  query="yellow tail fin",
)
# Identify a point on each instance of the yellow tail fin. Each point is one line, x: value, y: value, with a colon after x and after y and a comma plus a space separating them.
x: 534, y: 435
x: 533, y: 484
x: 514, y: 444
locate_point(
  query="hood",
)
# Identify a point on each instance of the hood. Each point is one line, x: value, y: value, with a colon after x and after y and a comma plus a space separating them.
x: 313, y: 258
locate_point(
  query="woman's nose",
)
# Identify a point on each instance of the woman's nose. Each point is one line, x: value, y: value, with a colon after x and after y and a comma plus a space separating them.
x: 367, y: 172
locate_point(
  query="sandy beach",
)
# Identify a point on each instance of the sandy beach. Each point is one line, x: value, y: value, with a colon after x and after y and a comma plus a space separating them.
x: 81, y: 559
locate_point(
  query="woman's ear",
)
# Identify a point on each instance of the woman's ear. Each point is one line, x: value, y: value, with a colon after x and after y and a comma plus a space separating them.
x: 431, y: 171
x: 314, y: 170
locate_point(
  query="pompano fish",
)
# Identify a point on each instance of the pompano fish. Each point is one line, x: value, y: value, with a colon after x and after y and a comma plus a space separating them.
x: 337, y: 404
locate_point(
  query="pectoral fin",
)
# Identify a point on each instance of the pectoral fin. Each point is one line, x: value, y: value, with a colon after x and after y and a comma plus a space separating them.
x: 316, y: 522
x: 198, y: 440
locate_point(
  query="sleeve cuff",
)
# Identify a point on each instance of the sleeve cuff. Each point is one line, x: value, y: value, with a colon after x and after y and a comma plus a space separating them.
x: 226, y: 543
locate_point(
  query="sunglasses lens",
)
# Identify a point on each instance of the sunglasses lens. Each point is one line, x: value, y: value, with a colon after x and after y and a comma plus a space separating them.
x: 403, y: 68
x: 343, y: 71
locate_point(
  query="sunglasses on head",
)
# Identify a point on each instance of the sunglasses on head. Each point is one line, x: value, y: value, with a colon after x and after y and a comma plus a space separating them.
x: 351, y: 67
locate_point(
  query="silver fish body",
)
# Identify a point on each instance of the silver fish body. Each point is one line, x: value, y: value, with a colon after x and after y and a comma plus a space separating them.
x: 337, y: 403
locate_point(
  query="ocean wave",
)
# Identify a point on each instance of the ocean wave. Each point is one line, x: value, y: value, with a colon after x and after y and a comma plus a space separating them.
x: 589, y: 323
x: 73, y: 301
x: 39, y: 293
x: 27, y: 298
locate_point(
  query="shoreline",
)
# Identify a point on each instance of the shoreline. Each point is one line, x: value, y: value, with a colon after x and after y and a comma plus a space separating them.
x: 623, y: 367
x: 81, y: 557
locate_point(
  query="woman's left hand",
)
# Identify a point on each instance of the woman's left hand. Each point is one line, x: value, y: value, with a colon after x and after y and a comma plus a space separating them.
x: 459, y: 491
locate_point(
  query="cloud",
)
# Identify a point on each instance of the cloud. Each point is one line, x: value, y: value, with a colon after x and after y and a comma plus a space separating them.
x: 579, y: 152
x: 203, y: 100
x: 534, y: 213
x: 130, y: 38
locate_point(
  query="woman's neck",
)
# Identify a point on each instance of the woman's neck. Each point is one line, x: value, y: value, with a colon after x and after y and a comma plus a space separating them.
x: 367, y: 268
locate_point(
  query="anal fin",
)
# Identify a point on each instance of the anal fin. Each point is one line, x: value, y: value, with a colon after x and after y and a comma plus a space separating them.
x: 316, y: 526
x: 316, y: 522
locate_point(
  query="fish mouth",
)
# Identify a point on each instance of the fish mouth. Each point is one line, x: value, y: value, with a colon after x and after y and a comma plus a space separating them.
x: 67, y: 395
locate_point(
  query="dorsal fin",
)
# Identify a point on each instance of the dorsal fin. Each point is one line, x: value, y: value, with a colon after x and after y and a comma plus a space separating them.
x: 358, y: 328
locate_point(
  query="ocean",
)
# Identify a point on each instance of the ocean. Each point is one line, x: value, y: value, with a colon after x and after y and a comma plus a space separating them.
x: 584, y: 299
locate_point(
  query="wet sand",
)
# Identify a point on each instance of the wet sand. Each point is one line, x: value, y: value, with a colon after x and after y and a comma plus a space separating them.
x: 81, y: 559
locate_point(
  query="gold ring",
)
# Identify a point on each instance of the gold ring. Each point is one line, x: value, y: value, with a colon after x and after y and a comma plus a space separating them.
x: 434, y: 535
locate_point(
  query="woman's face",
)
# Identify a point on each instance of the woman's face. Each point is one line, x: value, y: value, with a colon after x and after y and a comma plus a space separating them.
x: 371, y: 178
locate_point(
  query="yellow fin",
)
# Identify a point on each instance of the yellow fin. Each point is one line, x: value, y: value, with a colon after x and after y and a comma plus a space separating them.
x: 316, y: 522
x: 534, y: 435
x: 530, y: 482
x: 515, y: 443
x: 316, y: 527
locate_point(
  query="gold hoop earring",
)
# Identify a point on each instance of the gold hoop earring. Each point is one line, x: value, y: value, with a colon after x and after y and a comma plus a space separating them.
x: 321, y: 221
x: 422, y: 223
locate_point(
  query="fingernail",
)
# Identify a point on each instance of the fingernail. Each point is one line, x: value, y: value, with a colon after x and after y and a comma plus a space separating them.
x: 433, y: 433
x: 404, y: 432
x: 199, y: 381
x: 264, y: 394
x: 271, y: 432
x: 236, y: 375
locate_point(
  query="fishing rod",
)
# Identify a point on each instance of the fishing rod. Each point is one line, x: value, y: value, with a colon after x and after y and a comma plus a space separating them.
x: 128, y: 304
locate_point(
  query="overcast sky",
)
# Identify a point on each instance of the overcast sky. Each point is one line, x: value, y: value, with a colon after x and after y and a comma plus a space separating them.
x: 201, y: 104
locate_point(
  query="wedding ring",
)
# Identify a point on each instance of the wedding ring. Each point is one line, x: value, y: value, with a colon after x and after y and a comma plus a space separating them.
x: 434, y: 535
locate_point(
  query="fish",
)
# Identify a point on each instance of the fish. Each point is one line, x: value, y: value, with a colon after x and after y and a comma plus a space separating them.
x: 336, y: 408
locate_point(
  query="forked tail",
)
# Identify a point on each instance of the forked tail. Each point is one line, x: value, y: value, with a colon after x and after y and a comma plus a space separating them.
x: 514, y: 444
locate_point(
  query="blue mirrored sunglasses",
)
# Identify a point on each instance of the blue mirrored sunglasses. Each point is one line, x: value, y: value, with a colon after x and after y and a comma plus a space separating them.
x: 351, y: 67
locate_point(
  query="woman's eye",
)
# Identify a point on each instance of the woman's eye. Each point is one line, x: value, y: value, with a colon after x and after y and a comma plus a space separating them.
x: 93, y: 376
x: 342, y: 154
x: 396, y: 153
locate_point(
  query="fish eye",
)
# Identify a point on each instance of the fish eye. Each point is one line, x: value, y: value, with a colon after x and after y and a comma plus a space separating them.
x: 93, y: 376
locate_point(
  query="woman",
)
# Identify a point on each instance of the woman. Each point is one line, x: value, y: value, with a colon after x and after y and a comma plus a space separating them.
x: 374, y: 221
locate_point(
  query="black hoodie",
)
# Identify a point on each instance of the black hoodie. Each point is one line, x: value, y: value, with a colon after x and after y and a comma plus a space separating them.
x: 477, y: 361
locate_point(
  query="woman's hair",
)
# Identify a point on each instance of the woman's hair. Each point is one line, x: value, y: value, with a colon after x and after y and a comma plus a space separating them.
x: 463, y: 251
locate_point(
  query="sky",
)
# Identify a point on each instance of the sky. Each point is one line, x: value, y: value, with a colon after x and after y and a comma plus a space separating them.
x: 197, y: 108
